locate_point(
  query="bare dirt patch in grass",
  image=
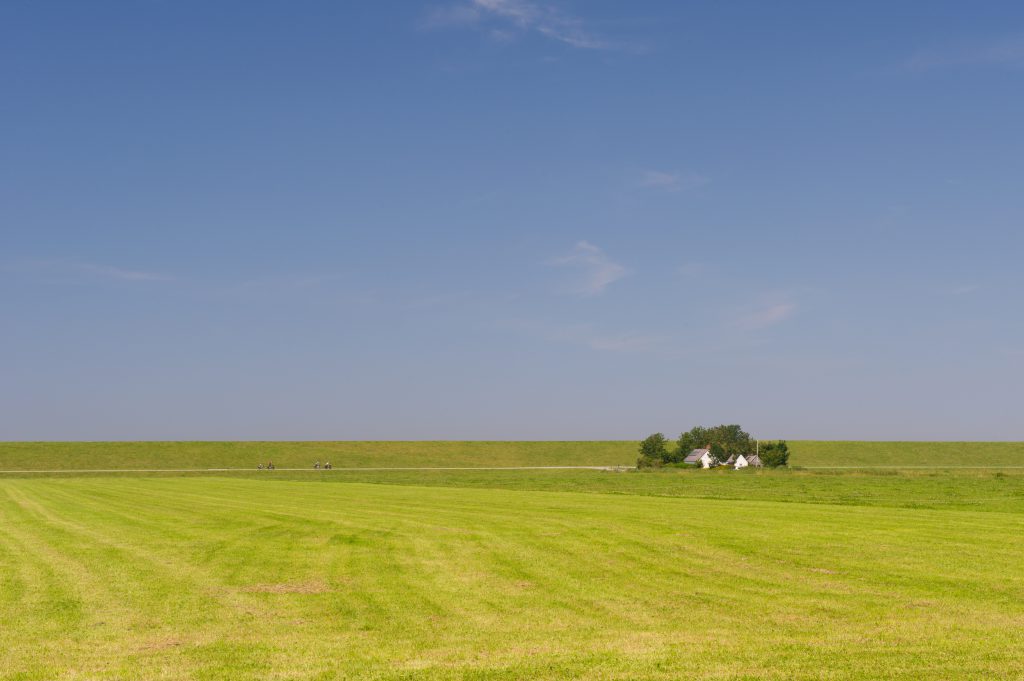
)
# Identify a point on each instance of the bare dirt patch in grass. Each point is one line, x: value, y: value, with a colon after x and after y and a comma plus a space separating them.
x: 289, y: 588
x: 162, y: 644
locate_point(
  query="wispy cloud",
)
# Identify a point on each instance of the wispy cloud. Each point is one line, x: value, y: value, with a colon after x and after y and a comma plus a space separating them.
x: 1003, y: 52
x: 503, y: 19
x: 595, y: 269
x: 674, y: 181
x: 767, y: 315
x: 71, y: 269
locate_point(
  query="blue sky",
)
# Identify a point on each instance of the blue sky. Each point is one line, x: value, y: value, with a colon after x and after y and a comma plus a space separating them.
x: 510, y: 219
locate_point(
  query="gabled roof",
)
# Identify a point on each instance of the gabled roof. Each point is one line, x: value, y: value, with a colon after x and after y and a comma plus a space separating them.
x: 695, y: 455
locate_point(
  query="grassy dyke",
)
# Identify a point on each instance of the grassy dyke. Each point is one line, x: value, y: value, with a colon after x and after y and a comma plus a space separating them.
x: 228, y: 578
x: 906, y: 454
x: 140, y: 455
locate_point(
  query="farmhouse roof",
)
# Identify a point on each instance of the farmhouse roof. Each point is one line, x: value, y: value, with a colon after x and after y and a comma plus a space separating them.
x: 695, y: 455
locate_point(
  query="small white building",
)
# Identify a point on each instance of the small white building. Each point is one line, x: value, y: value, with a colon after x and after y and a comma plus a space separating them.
x: 744, y: 460
x: 701, y: 457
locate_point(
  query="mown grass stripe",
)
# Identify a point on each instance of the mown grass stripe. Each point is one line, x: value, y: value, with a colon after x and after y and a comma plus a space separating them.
x: 381, y: 581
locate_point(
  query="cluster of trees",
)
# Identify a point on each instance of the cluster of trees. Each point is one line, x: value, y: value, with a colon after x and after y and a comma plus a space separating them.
x: 723, y: 441
x: 774, y: 454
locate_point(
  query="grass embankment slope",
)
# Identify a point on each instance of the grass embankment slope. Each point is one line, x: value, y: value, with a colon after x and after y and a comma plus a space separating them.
x: 812, y: 453
x: 183, y: 455
x: 221, y: 578
x: 246, y: 455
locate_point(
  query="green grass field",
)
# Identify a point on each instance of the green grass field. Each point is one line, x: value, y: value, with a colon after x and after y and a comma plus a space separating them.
x: 177, y: 455
x: 506, y: 574
x: 977, y: 490
x: 224, y: 578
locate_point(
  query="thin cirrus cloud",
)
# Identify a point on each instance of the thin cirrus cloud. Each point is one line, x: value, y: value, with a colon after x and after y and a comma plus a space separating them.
x: 673, y: 182
x: 503, y: 19
x: 594, y: 269
x: 1008, y: 52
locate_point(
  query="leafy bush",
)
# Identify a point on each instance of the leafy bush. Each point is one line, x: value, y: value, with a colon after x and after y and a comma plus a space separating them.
x: 774, y: 454
x: 653, y: 451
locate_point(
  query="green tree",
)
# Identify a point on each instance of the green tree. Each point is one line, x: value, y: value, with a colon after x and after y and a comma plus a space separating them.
x: 653, y: 451
x: 727, y: 440
x: 774, y: 454
x: 697, y: 437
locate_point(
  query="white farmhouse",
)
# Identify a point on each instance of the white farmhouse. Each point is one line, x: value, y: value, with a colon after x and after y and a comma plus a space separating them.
x: 744, y: 460
x: 701, y: 457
